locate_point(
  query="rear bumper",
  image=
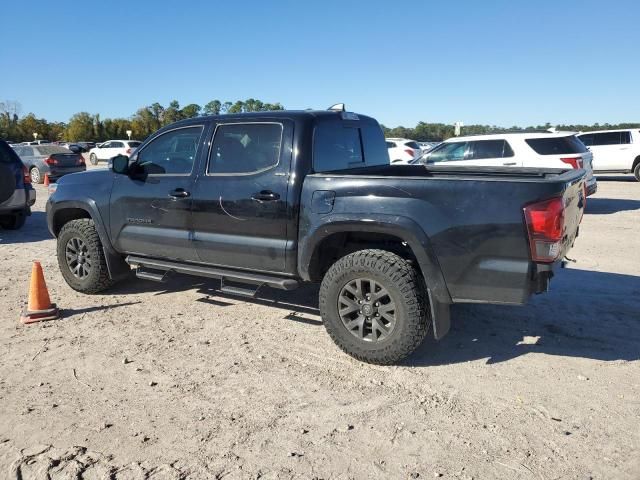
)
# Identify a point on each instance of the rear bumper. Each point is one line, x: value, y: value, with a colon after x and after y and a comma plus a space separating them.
x: 18, y: 202
x: 59, y: 172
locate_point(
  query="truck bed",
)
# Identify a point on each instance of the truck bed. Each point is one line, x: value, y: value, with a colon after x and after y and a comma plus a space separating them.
x: 472, y: 219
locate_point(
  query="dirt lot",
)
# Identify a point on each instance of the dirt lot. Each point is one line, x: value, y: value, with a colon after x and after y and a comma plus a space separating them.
x: 180, y: 381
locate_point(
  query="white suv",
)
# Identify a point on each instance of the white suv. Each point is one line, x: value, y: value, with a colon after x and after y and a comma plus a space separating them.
x: 539, y: 150
x: 614, y: 150
x: 403, y: 150
x: 111, y: 148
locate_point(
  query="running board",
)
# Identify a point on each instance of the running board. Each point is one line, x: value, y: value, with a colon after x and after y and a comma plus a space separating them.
x: 153, y: 276
x: 211, y: 272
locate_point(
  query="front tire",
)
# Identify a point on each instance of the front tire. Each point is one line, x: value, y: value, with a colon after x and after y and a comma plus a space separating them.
x: 374, y: 307
x: 81, y: 258
x: 636, y: 171
x: 93, y: 159
x: 36, y: 176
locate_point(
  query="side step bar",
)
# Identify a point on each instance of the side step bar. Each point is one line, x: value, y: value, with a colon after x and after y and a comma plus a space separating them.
x: 203, y: 271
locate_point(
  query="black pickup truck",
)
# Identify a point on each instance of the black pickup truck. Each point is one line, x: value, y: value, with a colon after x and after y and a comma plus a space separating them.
x: 280, y: 198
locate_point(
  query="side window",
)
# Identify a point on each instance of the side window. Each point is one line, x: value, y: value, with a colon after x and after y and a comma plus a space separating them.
x: 625, y: 138
x: 606, y: 138
x: 336, y: 147
x: 117, y: 145
x: 173, y: 152
x: 245, y: 147
x: 106, y: 145
x: 491, y: 149
x: 448, y: 152
x: 391, y: 145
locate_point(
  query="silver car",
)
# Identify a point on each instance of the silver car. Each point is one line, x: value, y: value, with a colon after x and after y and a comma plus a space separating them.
x: 51, y: 160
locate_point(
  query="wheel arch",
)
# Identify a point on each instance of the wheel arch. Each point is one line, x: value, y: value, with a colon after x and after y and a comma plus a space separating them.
x: 332, y: 238
x: 63, y: 212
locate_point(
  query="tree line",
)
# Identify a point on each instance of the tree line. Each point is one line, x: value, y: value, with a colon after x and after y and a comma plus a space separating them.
x: 84, y: 126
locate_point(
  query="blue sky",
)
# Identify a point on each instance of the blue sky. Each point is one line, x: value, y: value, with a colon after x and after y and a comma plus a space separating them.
x: 491, y: 62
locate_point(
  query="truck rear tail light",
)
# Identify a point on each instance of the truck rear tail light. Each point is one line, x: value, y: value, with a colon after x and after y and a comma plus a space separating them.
x: 575, y: 162
x: 80, y: 160
x: 27, y: 174
x: 408, y: 151
x: 545, y: 225
x: 128, y: 152
x: 51, y: 161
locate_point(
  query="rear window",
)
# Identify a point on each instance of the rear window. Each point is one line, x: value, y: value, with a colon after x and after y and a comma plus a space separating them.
x: 51, y: 149
x: 556, y: 145
x: 341, y: 146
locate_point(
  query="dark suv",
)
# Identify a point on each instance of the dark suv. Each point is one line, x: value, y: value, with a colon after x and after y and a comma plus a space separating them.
x: 16, y: 193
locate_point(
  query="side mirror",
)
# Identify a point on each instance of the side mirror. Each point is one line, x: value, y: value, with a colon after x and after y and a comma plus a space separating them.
x: 120, y: 164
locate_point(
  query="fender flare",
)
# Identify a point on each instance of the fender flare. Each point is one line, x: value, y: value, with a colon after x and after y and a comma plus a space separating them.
x: 116, y: 265
x: 402, y: 227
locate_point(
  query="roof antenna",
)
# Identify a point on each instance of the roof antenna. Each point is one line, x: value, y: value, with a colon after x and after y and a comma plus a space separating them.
x: 338, y: 107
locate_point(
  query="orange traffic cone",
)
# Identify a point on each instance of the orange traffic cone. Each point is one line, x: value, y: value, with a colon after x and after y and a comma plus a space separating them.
x: 46, y: 180
x: 40, y: 307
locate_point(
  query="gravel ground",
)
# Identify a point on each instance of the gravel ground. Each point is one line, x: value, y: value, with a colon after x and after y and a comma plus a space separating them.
x: 180, y: 381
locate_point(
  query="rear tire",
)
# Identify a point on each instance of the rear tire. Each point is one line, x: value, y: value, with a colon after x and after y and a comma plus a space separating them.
x: 636, y: 171
x: 36, y: 176
x: 81, y: 257
x: 13, y: 222
x: 93, y: 159
x: 391, y: 322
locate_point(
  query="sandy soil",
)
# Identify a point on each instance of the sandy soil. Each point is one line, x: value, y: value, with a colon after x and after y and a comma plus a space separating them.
x: 180, y: 381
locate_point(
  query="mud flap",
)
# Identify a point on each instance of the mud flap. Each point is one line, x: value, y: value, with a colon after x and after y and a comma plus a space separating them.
x: 116, y: 265
x: 440, y: 317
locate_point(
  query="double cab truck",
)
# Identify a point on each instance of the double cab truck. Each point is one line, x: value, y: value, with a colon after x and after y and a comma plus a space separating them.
x: 281, y: 198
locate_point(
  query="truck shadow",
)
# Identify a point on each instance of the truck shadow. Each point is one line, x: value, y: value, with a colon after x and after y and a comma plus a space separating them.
x: 587, y: 314
x: 603, y: 206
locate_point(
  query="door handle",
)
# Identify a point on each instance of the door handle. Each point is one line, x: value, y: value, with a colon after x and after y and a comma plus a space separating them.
x: 509, y: 163
x: 179, y: 193
x: 265, y: 196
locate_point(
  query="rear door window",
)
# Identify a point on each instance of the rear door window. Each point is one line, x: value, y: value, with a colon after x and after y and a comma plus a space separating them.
x: 448, y: 152
x: 556, y: 145
x: 117, y: 145
x: 490, y: 149
x: 606, y: 138
x: 244, y: 148
x: 413, y: 145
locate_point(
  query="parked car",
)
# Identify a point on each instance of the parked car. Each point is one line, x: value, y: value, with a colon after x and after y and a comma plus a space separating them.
x: 392, y: 245
x: 51, y: 160
x: 74, y: 147
x: 86, y: 146
x: 37, y: 142
x: 403, y: 150
x: 111, y: 148
x: 428, y: 146
x: 16, y: 192
x: 537, y: 150
x: 614, y: 151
